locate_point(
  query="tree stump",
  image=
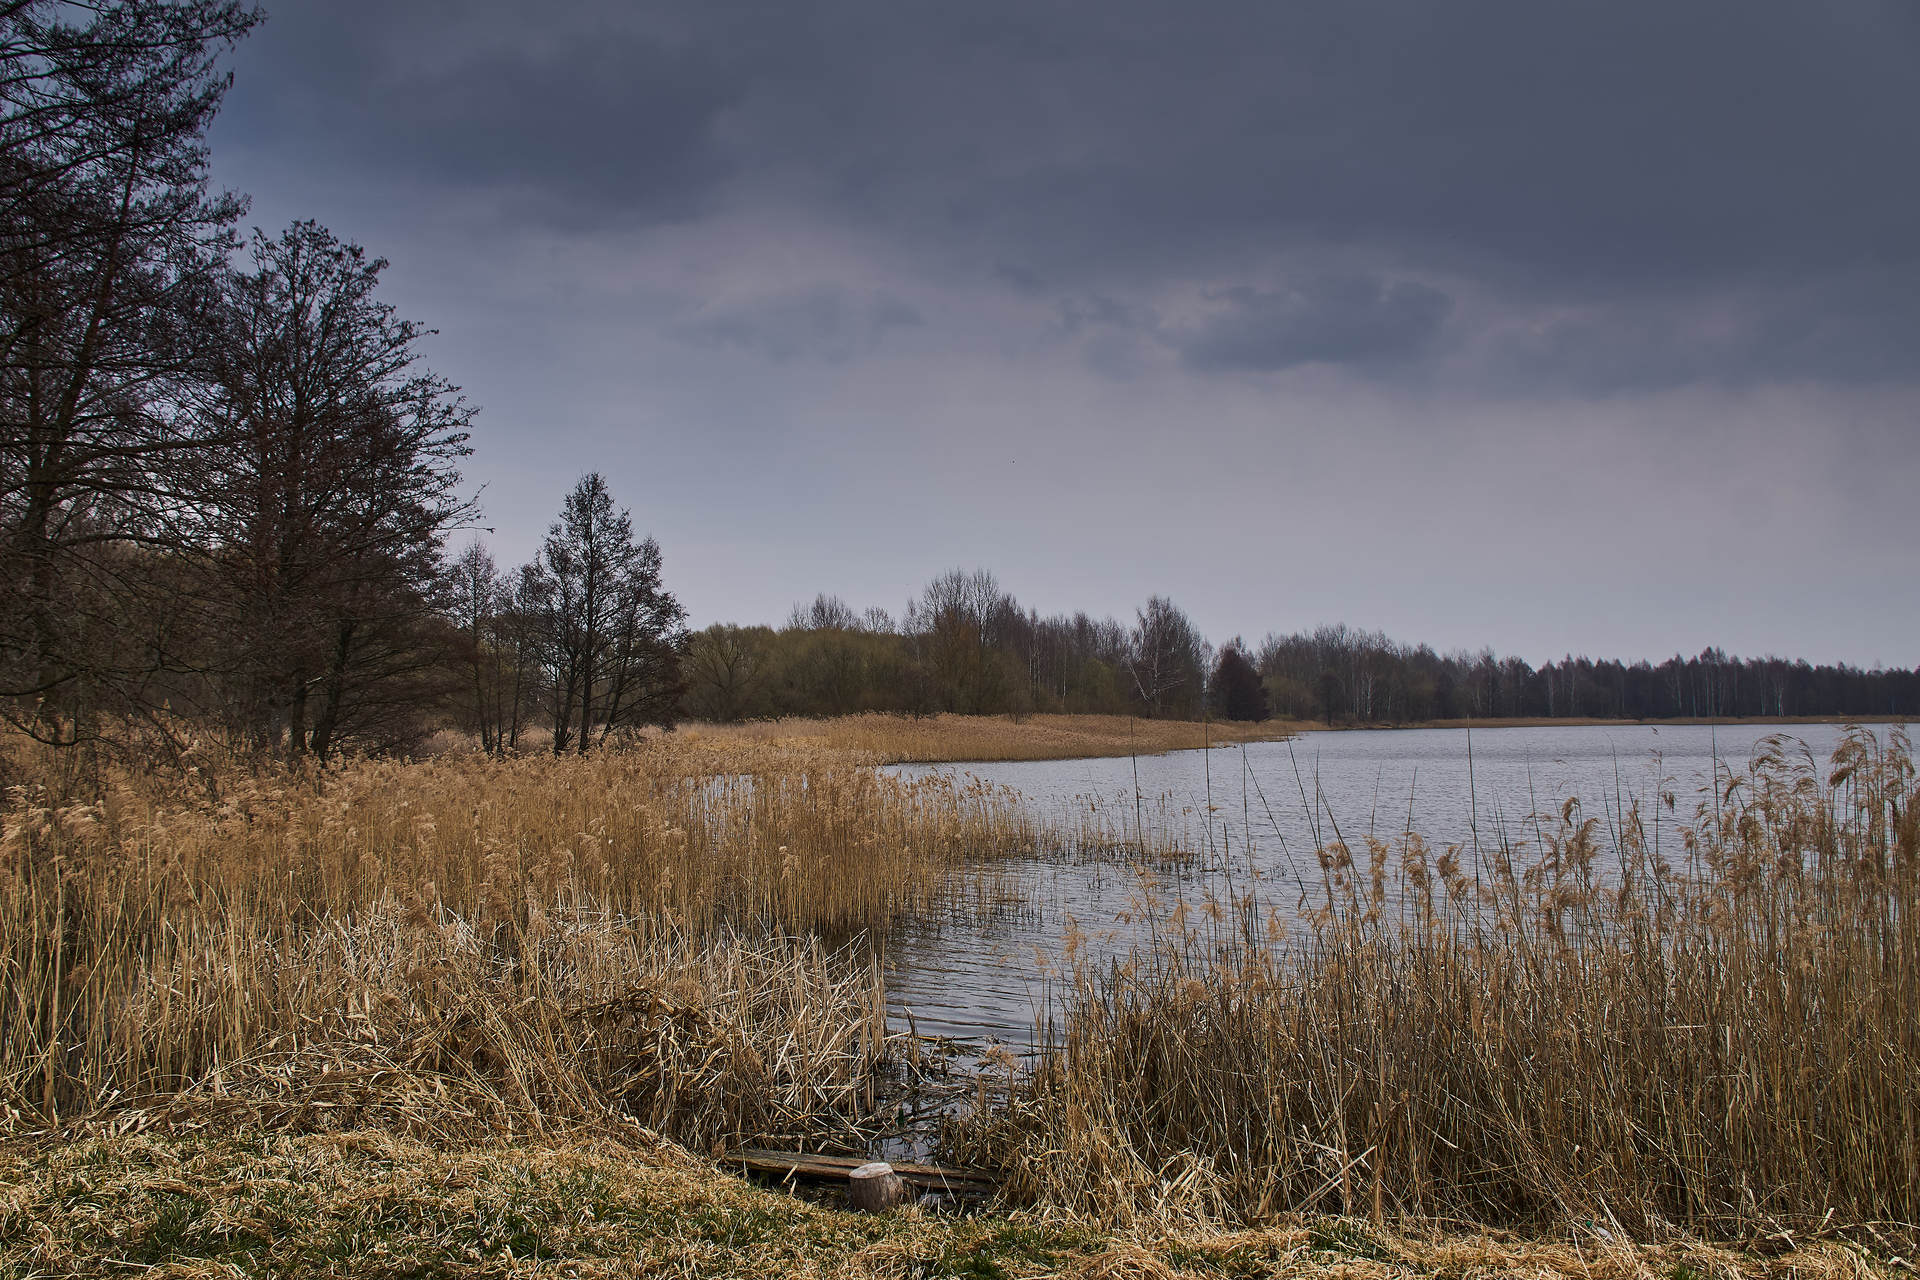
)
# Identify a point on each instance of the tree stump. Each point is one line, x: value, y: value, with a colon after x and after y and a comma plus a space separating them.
x: 874, y: 1187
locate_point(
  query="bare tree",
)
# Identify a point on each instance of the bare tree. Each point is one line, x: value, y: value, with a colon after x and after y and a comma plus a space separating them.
x: 727, y: 670
x: 644, y: 673
x: 329, y: 483
x: 613, y: 633
x: 826, y: 613
x: 1168, y: 660
x: 110, y: 250
x: 496, y: 645
x: 960, y: 623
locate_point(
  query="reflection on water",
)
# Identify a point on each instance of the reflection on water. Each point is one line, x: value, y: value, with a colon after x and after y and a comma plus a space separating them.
x: 1255, y: 816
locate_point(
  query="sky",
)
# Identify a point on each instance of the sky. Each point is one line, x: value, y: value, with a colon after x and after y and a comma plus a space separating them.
x: 1561, y: 328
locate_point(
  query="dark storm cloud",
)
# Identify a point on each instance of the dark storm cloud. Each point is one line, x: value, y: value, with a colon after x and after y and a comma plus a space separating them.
x: 598, y: 121
x: 1609, y: 143
x: 1099, y: 310
x: 1340, y: 319
x: 1860, y: 328
x: 1614, y: 170
x: 824, y: 323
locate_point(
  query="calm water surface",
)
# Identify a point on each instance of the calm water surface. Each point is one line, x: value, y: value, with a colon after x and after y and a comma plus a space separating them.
x: 1272, y: 805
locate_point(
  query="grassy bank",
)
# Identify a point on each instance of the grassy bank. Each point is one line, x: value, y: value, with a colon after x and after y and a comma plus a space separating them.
x: 891, y: 739
x: 373, y: 1206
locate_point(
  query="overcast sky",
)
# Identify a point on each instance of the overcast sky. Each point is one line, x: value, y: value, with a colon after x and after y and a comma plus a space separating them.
x: 1588, y: 327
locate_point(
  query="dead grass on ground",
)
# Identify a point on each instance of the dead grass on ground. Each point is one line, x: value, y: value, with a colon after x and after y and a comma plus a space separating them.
x: 373, y: 1205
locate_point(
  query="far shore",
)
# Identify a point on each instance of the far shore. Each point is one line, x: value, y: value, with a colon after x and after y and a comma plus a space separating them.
x: 957, y: 739
x: 1551, y: 722
x: 950, y: 738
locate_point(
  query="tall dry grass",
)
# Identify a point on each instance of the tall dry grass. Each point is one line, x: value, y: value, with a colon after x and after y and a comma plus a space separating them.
x: 1721, y: 1037
x: 949, y: 739
x: 542, y: 937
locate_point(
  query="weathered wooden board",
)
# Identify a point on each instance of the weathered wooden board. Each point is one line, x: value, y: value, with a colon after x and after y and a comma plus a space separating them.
x: 925, y: 1177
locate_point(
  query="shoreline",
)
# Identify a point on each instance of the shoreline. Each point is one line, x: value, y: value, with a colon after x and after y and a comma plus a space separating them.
x: 953, y: 739
x: 949, y: 738
x: 1587, y: 722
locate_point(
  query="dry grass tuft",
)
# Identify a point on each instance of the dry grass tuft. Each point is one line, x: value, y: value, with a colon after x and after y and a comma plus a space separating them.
x: 601, y: 1026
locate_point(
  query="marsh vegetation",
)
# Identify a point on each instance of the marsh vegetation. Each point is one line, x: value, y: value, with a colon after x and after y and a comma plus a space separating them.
x: 1717, y: 1039
x: 530, y: 929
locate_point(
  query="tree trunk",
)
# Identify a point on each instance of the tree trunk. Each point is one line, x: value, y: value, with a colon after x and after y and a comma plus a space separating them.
x: 874, y: 1187
x: 297, y: 716
x: 333, y: 689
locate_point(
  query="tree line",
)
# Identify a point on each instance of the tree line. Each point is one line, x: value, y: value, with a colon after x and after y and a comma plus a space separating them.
x: 966, y: 645
x: 1338, y: 674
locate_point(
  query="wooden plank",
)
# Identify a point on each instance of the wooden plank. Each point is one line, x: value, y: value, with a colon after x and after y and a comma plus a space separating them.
x: 846, y: 1164
x: 836, y: 1168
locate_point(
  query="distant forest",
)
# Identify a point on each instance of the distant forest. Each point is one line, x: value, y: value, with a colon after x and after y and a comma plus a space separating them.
x: 966, y: 645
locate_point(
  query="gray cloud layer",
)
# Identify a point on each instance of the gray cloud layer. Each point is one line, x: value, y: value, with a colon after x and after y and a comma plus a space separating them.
x: 821, y: 323
x: 1606, y: 155
x: 754, y: 215
x: 1347, y: 320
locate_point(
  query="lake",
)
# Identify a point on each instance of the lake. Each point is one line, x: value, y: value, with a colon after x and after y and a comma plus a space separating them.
x: 1272, y: 805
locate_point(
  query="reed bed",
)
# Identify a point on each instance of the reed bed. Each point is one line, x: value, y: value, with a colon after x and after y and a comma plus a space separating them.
x: 420, y: 1026
x: 1719, y: 1038
x: 654, y: 932
x: 950, y: 739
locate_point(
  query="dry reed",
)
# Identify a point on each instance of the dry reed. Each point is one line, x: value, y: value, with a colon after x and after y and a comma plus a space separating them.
x: 1720, y: 1038
x: 631, y: 932
x: 947, y: 739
